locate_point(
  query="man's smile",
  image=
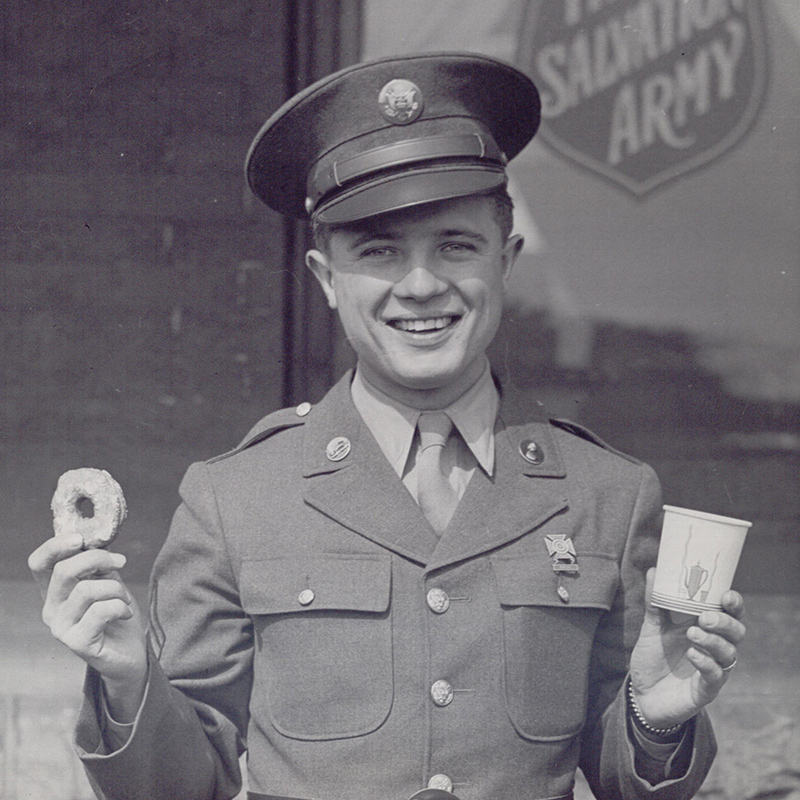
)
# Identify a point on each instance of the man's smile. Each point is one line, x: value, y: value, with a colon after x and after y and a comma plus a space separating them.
x: 423, y: 325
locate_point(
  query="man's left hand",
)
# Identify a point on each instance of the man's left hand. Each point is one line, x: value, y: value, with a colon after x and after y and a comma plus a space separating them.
x: 681, y: 662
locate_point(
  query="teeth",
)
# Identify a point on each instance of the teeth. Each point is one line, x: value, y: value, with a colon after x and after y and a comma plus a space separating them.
x: 417, y: 325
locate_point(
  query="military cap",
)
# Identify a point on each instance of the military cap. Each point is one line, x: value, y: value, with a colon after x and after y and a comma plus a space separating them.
x: 393, y: 133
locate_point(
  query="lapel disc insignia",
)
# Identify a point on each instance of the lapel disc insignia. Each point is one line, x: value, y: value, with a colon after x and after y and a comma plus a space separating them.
x: 337, y: 448
x: 400, y: 101
x: 531, y: 452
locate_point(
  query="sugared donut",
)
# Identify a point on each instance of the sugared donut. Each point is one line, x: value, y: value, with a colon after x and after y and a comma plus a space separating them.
x: 105, y: 494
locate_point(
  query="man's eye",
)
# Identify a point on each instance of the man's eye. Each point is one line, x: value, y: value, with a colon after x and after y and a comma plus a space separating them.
x: 458, y: 247
x: 377, y: 252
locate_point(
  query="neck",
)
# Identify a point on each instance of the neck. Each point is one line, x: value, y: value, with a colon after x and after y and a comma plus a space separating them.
x: 426, y: 399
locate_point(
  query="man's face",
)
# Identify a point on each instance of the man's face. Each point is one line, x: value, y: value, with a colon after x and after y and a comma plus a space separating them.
x: 420, y: 295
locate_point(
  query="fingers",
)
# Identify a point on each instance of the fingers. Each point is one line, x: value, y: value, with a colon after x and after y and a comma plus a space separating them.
x: 711, y: 674
x: 42, y: 560
x: 84, y: 592
x: 82, y: 602
x: 733, y: 603
x: 715, y: 638
x: 92, y: 625
x: 722, y: 625
x: 84, y: 565
x: 719, y: 649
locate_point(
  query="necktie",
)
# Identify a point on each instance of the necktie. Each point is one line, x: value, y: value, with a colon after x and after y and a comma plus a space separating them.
x: 436, y: 497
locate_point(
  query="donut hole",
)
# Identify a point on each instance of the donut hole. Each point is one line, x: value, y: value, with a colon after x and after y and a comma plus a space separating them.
x: 85, y: 507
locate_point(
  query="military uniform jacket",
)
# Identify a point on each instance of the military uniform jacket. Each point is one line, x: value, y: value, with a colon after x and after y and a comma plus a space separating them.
x: 304, y: 606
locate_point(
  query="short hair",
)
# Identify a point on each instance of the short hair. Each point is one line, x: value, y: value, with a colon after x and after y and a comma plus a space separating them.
x: 503, y: 209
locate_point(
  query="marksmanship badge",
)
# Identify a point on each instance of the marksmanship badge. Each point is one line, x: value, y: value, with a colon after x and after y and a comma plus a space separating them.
x: 644, y: 91
x: 562, y: 551
x: 400, y: 101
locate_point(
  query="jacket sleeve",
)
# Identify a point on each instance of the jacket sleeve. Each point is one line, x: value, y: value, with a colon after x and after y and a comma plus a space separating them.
x: 191, y: 728
x: 614, y: 765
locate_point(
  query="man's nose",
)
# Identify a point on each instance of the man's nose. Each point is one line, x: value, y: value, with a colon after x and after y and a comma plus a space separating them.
x: 420, y: 283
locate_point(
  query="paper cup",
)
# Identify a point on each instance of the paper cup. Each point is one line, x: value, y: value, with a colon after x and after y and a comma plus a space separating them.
x: 697, y: 559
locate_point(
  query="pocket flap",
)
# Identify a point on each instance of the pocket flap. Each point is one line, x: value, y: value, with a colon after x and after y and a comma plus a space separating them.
x: 533, y: 582
x: 316, y: 583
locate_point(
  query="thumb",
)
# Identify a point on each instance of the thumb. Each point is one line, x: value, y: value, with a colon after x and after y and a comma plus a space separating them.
x: 653, y: 614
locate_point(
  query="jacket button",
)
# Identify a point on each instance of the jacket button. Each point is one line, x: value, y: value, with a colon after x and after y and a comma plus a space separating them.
x: 303, y: 409
x: 306, y: 597
x: 441, y: 782
x: 438, y: 601
x: 442, y: 693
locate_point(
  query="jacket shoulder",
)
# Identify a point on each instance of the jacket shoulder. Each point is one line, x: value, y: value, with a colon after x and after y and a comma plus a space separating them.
x: 581, y: 432
x: 268, y: 426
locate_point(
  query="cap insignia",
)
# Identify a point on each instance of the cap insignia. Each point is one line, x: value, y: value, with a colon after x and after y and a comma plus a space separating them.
x: 400, y: 101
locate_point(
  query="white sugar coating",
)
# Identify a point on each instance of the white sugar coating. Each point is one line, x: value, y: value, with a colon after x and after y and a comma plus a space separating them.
x: 105, y: 495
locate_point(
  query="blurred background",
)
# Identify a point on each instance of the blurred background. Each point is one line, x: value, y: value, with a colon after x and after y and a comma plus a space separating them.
x: 151, y: 310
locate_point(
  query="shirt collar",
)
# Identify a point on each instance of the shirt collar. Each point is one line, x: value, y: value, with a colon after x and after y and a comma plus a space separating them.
x: 474, y: 414
x: 393, y: 424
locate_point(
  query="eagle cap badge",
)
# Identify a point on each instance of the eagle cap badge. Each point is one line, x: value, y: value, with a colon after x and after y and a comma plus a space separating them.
x: 400, y: 101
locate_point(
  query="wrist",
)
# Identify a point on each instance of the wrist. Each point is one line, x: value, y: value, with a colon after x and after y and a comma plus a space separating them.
x: 666, y: 734
x: 124, y: 696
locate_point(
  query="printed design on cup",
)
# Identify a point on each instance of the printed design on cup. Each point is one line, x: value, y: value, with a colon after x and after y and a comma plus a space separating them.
x: 695, y: 577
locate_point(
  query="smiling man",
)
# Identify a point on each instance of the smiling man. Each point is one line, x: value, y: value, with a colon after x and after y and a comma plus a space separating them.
x: 420, y: 294
x: 420, y: 587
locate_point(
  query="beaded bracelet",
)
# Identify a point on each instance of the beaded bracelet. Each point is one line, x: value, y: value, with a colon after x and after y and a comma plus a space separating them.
x: 641, y: 721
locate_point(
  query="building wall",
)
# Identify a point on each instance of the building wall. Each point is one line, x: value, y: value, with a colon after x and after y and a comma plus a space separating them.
x: 145, y: 294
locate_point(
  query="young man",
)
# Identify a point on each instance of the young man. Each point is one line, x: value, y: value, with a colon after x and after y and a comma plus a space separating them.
x: 421, y: 587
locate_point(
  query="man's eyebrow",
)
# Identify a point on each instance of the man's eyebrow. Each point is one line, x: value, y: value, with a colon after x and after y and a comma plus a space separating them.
x: 364, y: 236
x: 466, y: 234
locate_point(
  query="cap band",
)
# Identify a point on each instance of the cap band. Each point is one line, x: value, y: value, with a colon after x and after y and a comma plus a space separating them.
x: 471, y: 146
x: 395, y: 190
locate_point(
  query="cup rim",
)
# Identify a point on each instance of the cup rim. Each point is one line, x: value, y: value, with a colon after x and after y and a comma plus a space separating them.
x: 690, y: 512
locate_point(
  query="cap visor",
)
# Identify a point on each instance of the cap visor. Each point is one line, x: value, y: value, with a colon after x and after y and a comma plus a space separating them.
x: 409, y: 189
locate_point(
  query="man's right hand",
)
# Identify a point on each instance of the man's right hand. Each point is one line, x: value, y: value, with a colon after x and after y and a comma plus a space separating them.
x: 89, y: 609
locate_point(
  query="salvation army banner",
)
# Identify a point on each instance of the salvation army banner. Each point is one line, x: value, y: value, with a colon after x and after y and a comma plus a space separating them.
x: 643, y: 91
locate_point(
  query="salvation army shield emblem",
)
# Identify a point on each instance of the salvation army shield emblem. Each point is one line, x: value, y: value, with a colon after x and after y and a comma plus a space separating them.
x: 644, y: 91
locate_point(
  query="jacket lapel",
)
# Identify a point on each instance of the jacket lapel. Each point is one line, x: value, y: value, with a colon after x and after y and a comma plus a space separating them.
x: 522, y: 495
x: 360, y: 490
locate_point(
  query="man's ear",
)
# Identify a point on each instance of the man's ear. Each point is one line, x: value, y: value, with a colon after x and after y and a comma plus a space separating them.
x: 319, y: 264
x: 511, y: 250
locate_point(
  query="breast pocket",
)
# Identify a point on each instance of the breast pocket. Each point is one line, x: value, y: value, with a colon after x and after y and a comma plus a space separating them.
x: 548, y: 642
x: 324, y: 642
